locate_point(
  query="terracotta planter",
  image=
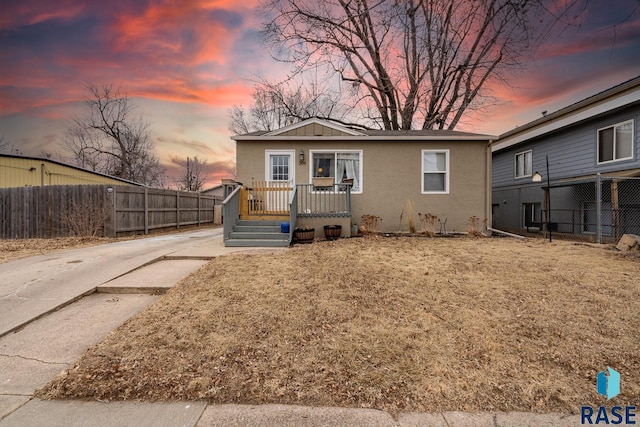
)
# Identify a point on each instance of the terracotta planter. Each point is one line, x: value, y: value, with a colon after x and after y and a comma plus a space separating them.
x: 304, y: 236
x: 332, y: 232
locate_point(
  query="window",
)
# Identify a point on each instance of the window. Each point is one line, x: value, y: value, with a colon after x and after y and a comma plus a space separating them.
x: 339, y: 165
x: 615, y: 142
x: 523, y: 164
x: 278, y: 165
x: 435, y: 171
x: 532, y: 214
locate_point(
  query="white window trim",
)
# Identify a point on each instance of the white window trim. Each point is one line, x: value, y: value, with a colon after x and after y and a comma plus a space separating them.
x: 515, y: 164
x: 633, y: 142
x: 360, y: 174
x: 447, y: 173
x: 267, y: 165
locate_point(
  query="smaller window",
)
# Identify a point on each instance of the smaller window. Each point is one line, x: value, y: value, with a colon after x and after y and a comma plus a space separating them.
x: 532, y: 215
x: 615, y: 142
x: 435, y: 171
x: 524, y: 164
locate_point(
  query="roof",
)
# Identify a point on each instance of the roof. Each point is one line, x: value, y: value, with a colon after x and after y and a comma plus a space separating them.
x: 624, y: 94
x: 351, y: 134
x: 42, y: 159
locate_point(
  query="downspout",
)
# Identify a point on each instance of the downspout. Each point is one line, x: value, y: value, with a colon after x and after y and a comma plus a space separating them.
x: 489, y: 188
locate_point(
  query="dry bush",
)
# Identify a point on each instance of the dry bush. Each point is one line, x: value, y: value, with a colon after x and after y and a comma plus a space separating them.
x: 411, y: 216
x: 370, y: 223
x: 473, y: 226
x: 85, y: 219
x: 428, y: 223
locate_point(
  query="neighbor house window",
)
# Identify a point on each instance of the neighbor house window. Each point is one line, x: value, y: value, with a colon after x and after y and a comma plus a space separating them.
x: 435, y: 171
x: 615, y: 142
x: 532, y: 214
x: 524, y: 164
x: 342, y: 166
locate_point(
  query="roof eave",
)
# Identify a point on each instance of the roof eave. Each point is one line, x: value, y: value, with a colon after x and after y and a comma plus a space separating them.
x: 619, y: 96
x: 367, y: 138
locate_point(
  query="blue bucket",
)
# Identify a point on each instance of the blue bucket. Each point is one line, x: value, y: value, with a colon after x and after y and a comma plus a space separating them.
x: 284, y: 227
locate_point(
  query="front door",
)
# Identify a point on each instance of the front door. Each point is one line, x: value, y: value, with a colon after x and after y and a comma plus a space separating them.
x: 280, y: 178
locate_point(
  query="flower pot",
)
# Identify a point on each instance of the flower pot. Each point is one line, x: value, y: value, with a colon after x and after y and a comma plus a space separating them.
x: 304, y: 235
x: 332, y: 232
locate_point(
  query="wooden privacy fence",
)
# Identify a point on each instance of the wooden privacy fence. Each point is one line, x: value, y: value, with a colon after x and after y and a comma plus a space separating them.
x: 102, y: 210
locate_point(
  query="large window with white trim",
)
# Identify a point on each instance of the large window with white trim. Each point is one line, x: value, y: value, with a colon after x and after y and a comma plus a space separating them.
x: 615, y: 142
x: 524, y: 165
x: 342, y: 166
x: 435, y: 171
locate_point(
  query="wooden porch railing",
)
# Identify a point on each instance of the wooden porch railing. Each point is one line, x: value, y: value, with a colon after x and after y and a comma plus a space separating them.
x: 328, y: 201
x: 230, y: 212
x: 267, y: 198
x: 293, y: 213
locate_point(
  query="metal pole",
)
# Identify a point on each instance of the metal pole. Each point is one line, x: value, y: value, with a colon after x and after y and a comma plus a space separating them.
x: 599, y: 208
x: 548, y: 201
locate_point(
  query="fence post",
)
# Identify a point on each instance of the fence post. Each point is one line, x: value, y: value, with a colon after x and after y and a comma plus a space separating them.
x: 177, y: 210
x: 599, y: 208
x: 615, y: 210
x: 146, y: 211
x: 114, y: 211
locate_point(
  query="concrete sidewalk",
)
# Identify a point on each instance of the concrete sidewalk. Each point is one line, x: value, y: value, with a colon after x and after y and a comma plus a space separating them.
x: 59, y: 319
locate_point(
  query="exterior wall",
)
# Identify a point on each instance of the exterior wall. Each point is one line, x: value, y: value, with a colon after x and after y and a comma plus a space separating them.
x: 392, y: 175
x: 572, y: 153
x: 28, y: 172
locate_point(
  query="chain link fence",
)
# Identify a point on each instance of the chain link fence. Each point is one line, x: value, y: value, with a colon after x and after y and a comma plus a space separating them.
x: 599, y: 210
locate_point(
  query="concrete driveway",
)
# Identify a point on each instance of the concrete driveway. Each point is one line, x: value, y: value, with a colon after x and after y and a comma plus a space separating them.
x: 34, y: 286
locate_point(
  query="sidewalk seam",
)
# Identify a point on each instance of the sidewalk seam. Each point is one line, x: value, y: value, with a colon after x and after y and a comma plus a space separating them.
x: 33, y: 359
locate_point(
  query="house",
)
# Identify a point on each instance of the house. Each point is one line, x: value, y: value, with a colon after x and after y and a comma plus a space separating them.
x: 317, y: 173
x: 587, y: 158
x: 24, y: 171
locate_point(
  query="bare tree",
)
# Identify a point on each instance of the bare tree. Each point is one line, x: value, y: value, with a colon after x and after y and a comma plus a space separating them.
x: 276, y: 104
x: 414, y: 63
x: 7, y: 147
x: 110, y: 139
x: 195, y: 175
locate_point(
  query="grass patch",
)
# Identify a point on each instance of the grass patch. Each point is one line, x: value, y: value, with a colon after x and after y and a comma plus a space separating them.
x: 389, y: 323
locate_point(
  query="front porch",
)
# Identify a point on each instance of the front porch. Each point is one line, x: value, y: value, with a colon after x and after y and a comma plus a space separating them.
x: 252, y: 215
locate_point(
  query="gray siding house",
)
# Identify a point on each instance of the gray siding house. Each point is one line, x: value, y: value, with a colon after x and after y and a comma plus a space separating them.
x: 586, y: 158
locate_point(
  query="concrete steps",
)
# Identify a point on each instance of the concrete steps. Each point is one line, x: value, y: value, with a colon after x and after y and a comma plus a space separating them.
x: 256, y: 233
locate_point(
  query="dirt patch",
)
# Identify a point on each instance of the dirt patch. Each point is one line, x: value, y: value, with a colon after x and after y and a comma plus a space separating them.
x: 389, y: 323
x: 11, y: 250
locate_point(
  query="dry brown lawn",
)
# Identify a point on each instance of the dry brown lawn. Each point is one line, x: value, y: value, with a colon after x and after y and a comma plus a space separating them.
x: 15, y: 249
x: 391, y: 323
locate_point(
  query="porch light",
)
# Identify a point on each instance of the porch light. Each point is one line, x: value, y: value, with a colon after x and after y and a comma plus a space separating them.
x: 536, y: 177
x: 301, y: 157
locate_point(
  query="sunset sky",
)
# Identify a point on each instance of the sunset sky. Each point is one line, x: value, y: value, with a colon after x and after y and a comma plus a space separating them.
x: 185, y: 63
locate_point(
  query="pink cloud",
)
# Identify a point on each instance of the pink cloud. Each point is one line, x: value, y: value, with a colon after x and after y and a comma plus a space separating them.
x: 29, y: 12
